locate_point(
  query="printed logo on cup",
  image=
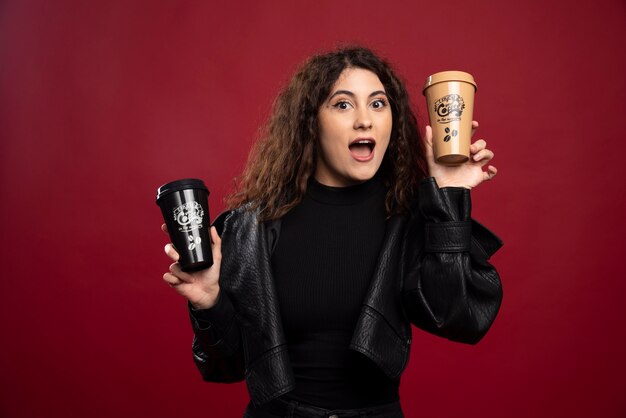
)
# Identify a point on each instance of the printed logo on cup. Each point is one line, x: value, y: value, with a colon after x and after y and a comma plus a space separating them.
x: 449, y: 108
x: 189, y: 216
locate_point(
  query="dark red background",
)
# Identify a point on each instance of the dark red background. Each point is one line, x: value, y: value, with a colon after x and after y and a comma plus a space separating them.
x: 102, y: 102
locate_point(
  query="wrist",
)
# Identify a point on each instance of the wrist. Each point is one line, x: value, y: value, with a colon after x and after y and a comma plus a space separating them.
x: 207, y: 302
x: 443, y: 183
x: 455, y: 185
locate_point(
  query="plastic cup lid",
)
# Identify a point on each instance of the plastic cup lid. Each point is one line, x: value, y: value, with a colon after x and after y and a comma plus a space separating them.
x: 449, y: 76
x: 178, y: 185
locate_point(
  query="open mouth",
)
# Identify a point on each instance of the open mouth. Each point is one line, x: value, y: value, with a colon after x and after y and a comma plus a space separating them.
x: 362, y: 149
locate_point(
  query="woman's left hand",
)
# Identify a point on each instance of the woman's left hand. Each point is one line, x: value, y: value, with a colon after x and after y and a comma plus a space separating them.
x: 469, y: 174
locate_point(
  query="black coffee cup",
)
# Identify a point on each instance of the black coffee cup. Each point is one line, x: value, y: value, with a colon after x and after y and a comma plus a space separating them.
x: 185, y: 207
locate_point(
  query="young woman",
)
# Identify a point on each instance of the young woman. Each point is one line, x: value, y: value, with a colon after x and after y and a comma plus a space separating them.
x: 343, y: 232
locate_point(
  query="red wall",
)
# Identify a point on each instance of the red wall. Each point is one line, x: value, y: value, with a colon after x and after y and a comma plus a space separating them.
x: 102, y: 102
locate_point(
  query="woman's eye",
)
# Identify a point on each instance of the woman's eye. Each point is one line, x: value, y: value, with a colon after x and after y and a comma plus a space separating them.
x: 379, y: 103
x: 342, y: 105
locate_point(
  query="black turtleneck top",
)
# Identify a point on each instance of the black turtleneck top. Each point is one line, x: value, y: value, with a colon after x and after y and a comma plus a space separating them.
x: 323, y: 264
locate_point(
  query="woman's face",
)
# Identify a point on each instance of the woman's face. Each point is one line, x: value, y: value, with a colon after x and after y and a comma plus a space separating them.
x: 355, y: 126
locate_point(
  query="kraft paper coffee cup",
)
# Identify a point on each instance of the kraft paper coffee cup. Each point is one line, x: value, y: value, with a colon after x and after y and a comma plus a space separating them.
x: 185, y: 207
x: 450, y: 101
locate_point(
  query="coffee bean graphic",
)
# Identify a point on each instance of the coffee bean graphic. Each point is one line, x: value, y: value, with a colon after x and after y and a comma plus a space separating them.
x: 450, y: 134
x: 194, y: 242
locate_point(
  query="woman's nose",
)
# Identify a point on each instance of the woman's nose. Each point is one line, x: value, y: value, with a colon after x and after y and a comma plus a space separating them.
x: 363, y: 120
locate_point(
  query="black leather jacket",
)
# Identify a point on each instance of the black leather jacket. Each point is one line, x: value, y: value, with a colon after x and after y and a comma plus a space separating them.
x: 432, y: 272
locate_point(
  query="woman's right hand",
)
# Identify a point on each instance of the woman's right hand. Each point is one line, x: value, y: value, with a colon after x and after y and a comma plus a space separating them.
x: 200, y: 288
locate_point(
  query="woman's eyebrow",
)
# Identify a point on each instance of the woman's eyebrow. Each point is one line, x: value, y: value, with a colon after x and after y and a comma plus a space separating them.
x: 349, y: 93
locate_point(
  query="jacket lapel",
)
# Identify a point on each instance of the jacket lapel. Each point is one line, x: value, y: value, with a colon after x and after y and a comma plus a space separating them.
x: 382, y: 332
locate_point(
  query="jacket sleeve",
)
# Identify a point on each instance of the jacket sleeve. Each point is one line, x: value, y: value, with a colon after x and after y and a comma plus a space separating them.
x: 450, y: 288
x: 216, y: 345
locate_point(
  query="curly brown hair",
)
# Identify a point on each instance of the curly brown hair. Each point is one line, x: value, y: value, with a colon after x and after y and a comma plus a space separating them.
x: 281, y: 162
